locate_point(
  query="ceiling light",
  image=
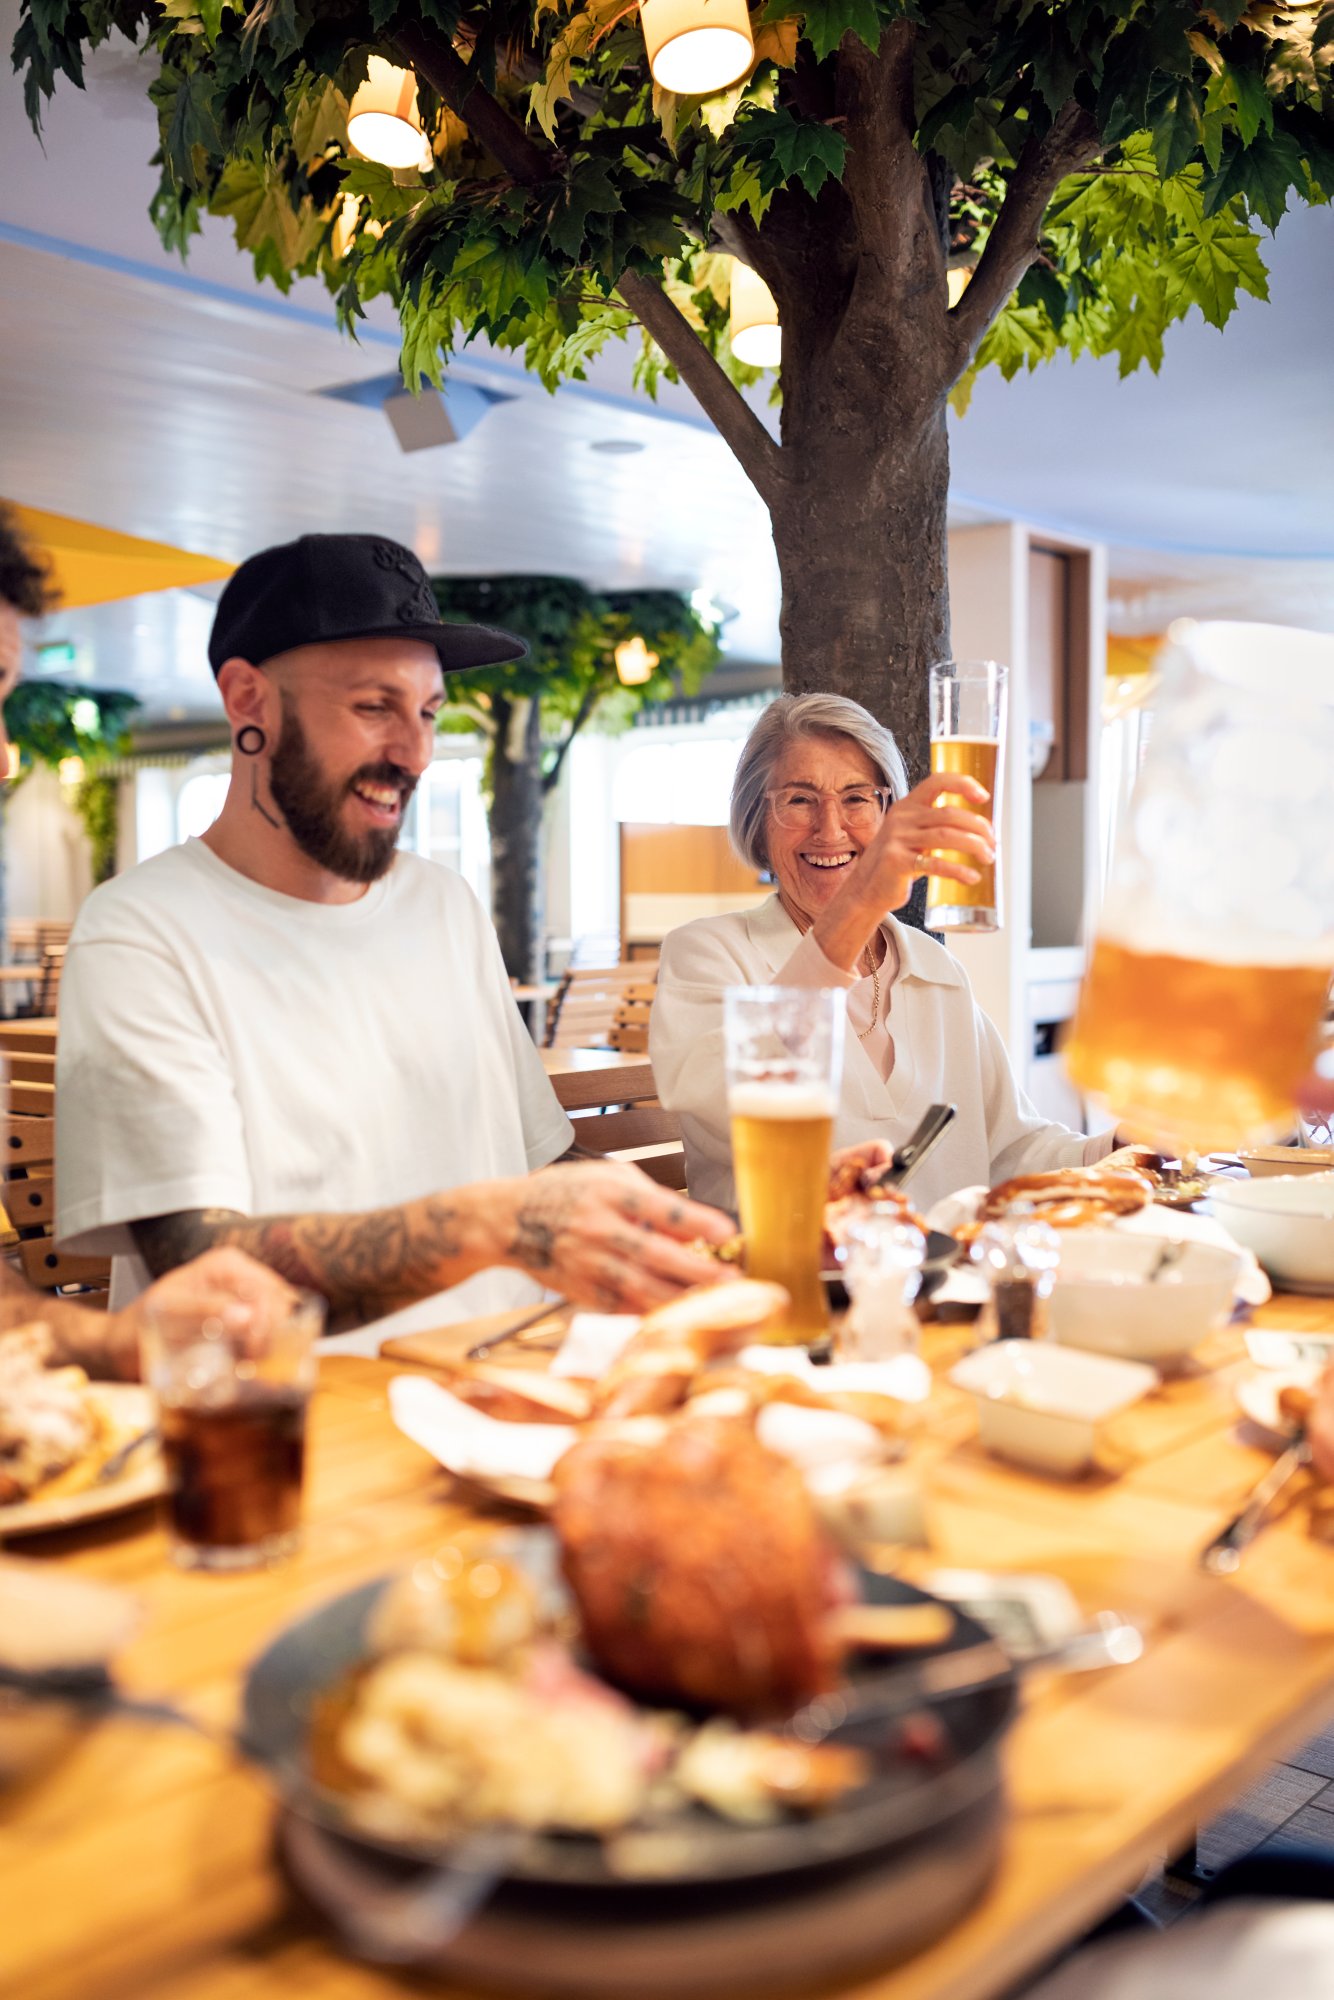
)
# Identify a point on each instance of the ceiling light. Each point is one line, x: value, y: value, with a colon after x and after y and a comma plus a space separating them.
x: 383, y: 122
x: 959, y: 275
x: 350, y: 225
x: 634, y: 662
x: 757, y: 338
x: 696, y: 47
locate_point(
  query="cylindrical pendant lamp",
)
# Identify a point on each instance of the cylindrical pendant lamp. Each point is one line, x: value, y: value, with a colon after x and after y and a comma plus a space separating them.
x: 697, y: 46
x: 383, y: 121
x: 634, y: 662
x: 757, y: 338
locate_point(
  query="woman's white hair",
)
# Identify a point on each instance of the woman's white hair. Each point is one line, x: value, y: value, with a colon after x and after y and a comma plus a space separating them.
x: 787, y: 720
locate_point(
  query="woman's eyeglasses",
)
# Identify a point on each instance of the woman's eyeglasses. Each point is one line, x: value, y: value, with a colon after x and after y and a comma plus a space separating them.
x: 800, y: 809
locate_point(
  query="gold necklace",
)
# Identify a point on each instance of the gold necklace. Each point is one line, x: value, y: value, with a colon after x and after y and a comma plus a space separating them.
x: 803, y: 925
x: 862, y: 1033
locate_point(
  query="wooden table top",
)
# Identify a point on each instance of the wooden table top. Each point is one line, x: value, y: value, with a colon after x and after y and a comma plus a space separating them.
x: 140, y: 1865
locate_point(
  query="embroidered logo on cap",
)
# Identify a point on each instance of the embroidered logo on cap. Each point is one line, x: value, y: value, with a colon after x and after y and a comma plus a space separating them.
x: 419, y: 607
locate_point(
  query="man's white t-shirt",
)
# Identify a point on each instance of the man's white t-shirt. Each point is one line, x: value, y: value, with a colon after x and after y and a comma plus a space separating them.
x: 224, y: 1046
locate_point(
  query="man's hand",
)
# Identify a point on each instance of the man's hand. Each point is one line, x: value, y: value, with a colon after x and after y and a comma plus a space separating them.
x: 223, y: 1284
x: 607, y: 1236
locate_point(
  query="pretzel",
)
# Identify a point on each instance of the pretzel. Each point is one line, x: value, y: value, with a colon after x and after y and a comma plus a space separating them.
x: 1068, y: 1199
x: 653, y: 1372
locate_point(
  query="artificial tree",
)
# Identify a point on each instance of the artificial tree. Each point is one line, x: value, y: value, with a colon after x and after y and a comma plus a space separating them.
x: 529, y: 712
x: 1106, y: 163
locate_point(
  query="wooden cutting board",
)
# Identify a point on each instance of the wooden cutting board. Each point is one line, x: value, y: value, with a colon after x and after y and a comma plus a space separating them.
x: 443, y: 1346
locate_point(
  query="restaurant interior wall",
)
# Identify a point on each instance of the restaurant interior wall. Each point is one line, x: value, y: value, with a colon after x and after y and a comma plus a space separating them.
x: 669, y: 773
x: 1039, y: 603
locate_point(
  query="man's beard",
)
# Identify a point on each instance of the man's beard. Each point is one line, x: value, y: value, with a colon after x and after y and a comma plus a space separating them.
x: 312, y: 808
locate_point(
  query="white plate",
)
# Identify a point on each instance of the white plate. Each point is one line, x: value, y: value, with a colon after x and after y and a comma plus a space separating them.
x: 1257, y: 1398
x: 130, y: 1408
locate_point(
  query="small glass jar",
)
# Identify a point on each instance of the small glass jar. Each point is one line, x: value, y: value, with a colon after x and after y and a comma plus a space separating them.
x: 1019, y: 1258
x: 884, y: 1274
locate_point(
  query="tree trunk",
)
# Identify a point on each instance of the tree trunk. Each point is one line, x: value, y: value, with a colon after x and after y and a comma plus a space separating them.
x: 515, y: 821
x: 861, y: 548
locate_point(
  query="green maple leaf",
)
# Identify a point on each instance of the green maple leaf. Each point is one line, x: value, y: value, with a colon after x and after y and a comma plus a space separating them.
x: 1264, y: 173
x: 1177, y: 124
x: 827, y: 21
x: 589, y: 190
x: 1213, y: 263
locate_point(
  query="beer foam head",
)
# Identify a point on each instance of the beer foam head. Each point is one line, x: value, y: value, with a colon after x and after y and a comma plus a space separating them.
x: 775, y: 1097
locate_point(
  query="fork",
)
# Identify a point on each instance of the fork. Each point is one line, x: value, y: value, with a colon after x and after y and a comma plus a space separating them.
x: 118, y: 1460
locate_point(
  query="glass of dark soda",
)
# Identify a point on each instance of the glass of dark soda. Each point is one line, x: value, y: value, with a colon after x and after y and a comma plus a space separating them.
x: 232, y: 1412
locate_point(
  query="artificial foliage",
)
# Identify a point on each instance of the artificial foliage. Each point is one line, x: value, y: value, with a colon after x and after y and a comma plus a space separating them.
x: 51, y: 721
x: 1108, y: 166
x: 529, y: 711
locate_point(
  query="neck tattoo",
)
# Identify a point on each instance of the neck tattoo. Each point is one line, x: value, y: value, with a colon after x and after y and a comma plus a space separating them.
x: 257, y: 803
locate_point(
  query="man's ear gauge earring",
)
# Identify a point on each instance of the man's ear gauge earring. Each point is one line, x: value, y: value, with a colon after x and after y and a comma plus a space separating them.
x: 250, y: 740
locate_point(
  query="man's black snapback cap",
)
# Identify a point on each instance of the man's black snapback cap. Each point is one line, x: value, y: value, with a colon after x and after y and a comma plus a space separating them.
x: 327, y: 587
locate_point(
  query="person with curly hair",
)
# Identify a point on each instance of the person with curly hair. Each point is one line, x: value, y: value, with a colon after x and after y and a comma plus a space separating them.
x: 26, y: 591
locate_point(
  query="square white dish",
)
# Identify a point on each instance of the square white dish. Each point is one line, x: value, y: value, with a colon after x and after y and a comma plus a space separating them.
x: 1041, y: 1404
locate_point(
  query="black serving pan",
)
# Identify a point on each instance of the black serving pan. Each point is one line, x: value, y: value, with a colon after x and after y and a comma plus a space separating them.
x: 907, y: 1801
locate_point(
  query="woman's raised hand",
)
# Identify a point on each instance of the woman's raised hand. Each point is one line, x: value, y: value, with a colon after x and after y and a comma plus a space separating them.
x: 922, y: 822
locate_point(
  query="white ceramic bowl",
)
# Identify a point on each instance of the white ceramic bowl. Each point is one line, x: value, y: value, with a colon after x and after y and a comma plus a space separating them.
x: 1041, y: 1404
x: 1104, y: 1298
x: 1288, y: 1221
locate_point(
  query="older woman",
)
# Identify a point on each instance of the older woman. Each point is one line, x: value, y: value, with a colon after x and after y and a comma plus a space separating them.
x: 821, y: 800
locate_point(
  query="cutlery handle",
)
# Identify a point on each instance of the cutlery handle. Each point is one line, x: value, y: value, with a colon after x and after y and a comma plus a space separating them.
x: 1224, y: 1552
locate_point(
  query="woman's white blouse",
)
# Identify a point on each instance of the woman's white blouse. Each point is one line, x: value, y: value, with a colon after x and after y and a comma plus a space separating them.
x: 944, y: 1050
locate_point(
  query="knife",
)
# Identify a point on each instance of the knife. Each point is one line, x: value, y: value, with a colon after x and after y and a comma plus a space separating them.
x: 1223, y: 1555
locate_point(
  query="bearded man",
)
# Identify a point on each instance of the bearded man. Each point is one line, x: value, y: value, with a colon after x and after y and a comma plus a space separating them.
x: 292, y: 1037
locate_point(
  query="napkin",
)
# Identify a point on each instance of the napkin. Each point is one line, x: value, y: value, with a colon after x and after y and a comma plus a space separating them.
x: 906, y: 1377
x: 468, y: 1442
x: 592, y: 1343
x: 474, y: 1446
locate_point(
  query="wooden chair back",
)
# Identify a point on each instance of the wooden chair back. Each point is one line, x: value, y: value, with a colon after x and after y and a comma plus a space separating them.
x: 584, y: 1007
x: 616, y: 1112
x: 27, y: 1189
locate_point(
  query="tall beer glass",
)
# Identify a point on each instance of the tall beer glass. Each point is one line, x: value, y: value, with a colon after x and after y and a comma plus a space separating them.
x: 784, y: 1067
x: 968, y: 738
x: 1201, y: 1008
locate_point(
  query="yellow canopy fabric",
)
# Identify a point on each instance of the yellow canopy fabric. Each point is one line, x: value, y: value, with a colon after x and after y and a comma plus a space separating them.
x: 94, y: 565
x: 1127, y: 658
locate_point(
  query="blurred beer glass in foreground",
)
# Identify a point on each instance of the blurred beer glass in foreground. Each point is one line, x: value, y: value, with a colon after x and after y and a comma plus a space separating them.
x: 784, y: 1067
x: 1201, y: 1009
x: 967, y: 737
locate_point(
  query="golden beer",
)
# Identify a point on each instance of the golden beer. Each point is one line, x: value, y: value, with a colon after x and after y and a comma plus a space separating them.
x: 1193, y: 1053
x: 781, y: 1137
x: 969, y: 757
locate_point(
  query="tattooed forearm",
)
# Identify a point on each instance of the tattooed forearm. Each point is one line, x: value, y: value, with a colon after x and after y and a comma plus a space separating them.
x: 364, y: 1265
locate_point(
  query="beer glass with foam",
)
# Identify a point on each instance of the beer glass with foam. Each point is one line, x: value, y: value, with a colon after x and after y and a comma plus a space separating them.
x: 784, y: 1067
x: 1201, y: 1008
x: 967, y: 738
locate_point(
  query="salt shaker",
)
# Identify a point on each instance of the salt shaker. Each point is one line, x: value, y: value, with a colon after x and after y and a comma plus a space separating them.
x: 884, y: 1273
x: 1019, y: 1258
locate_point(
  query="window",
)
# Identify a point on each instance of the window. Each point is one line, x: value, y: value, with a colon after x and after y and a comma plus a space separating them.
x: 199, y: 802
x: 682, y: 784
